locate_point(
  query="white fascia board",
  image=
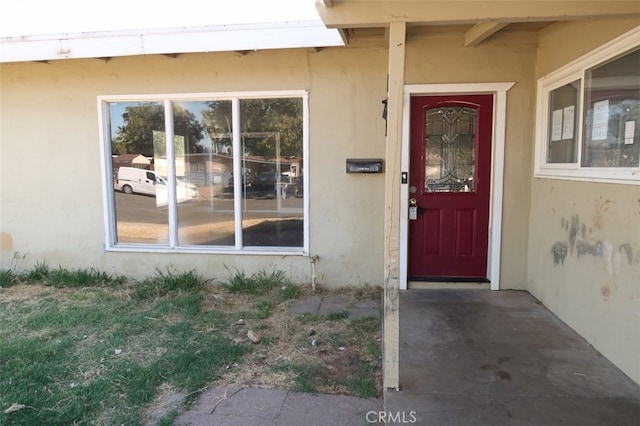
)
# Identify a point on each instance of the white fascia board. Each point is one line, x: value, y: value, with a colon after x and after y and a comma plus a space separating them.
x: 249, y: 39
x: 109, y: 44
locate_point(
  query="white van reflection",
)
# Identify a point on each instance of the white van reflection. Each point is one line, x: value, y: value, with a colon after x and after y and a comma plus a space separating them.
x: 132, y: 180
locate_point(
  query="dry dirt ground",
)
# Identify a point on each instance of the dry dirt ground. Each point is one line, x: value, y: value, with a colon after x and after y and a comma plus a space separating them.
x: 333, y: 346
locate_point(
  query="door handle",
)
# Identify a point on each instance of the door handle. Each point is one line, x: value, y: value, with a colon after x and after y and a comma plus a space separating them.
x: 413, y: 209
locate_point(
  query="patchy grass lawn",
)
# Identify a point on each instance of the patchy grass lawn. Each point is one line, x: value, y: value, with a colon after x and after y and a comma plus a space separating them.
x: 83, y: 347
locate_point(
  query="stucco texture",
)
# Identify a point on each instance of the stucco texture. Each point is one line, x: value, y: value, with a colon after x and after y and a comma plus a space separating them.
x: 51, y: 184
x: 52, y: 209
x: 584, y: 239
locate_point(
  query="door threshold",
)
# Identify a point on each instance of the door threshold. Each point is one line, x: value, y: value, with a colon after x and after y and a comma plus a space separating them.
x: 451, y: 285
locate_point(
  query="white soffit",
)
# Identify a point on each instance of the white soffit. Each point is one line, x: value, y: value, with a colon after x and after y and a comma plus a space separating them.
x: 108, y: 44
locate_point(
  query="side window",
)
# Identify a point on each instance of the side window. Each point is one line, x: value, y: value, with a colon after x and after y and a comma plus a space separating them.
x: 562, y: 137
x: 612, y: 100
x: 231, y: 180
x: 589, y: 116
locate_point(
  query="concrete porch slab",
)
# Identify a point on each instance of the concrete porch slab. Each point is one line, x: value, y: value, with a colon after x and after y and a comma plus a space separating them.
x: 492, y: 358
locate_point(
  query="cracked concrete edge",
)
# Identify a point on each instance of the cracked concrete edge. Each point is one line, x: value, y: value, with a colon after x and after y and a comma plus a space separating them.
x: 225, y: 396
x: 213, y: 396
x: 284, y: 402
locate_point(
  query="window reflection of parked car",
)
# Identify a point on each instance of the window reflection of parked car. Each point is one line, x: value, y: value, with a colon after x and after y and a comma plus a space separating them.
x: 293, y: 189
x: 264, y: 185
x: 223, y: 183
x: 269, y: 184
x: 132, y: 180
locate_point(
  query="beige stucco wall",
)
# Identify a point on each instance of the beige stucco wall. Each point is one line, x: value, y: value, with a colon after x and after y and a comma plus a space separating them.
x: 50, y: 188
x: 504, y: 58
x: 51, y: 191
x: 596, y: 289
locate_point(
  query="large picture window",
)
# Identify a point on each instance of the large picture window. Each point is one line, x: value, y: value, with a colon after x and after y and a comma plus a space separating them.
x: 589, y: 116
x: 232, y: 179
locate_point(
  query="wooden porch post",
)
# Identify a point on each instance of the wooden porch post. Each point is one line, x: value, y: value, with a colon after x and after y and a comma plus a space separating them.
x: 391, y: 330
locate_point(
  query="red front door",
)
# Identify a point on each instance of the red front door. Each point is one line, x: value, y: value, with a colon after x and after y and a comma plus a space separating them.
x: 450, y: 184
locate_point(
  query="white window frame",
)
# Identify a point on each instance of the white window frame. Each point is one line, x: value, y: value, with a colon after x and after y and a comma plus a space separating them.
x: 104, y: 125
x: 573, y: 71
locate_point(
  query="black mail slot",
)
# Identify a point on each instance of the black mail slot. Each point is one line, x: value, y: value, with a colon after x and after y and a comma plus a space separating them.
x: 364, y: 165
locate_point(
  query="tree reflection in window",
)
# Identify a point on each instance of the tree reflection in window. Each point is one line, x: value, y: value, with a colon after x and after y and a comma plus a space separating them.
x: 218, y: 179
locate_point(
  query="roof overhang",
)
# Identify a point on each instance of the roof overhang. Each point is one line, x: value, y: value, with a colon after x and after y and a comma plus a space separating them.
x: 169, y: 41
x: 483, y: 18
x: 367, y: 13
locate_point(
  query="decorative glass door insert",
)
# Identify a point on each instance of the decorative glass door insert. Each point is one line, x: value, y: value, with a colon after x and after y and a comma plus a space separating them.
x: 450, y: 149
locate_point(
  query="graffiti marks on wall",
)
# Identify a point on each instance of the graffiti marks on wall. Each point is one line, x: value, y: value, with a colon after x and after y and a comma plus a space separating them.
x: 626, y: 249
x: 573, y: 232
x: 559, y: 251
x: 580, y: 245
x: 583, y: 248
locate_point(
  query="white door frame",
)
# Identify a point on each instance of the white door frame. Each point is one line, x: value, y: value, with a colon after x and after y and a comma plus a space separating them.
x: 499, y: 91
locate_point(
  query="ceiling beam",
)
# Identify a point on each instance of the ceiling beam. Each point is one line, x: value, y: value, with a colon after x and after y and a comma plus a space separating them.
x: 378, y: 13
x: 480, y: 32
x: 344, y: 35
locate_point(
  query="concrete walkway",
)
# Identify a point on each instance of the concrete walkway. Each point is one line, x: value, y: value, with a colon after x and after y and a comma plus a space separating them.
x: 326, y: 305
x: 467, y: 357
x: 234, y: 406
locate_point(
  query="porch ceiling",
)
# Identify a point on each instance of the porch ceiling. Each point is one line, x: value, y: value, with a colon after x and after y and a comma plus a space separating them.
x: 421, y: 30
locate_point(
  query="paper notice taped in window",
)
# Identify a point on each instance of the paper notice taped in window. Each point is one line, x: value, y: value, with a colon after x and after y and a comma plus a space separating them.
x: 568, y: 122
x: 629, y: 132
x: 600, y: 121
x: 556, y: 125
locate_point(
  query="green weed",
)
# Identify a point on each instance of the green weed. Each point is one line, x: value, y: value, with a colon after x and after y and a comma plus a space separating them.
x: 337, y: 316
x: 263, y: 308
x: 290, y: 291
x: 361, y: 382
x: 38, y: 273
x: 60, y: 278
x: 81, y: 278
x: 163, y: 283
x: 9, y: 277
x: 308, y: 318
x: 308, y: 377
x: 258, y: 283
